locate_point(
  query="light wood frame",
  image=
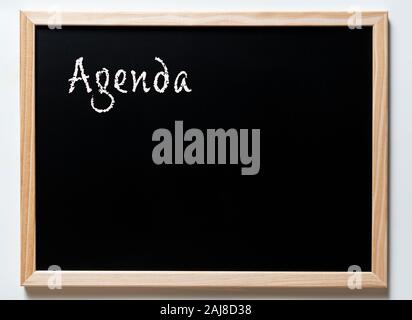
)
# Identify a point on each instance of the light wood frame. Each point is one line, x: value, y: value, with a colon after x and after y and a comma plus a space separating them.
x: 31, y: 277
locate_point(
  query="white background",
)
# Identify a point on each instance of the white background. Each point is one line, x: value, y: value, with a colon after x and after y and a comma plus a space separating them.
x: 400, y: 254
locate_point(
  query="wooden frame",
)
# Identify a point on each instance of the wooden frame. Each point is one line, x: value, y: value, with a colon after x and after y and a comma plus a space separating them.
x: 30, y: 277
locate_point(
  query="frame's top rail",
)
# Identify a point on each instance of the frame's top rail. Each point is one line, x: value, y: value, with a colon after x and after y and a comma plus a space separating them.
x: 205, y: 18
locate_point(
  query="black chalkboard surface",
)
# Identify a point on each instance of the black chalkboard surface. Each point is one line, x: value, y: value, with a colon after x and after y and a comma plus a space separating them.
x: 102, y: 203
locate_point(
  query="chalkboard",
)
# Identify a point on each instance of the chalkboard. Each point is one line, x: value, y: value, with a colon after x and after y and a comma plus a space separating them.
x: 192, y: 148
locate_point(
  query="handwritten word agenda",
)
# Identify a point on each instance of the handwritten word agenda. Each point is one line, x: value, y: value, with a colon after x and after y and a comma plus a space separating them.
x: 160, y: 82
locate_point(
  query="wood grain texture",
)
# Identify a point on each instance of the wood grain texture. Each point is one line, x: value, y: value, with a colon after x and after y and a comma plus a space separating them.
x: 375, y: 279
x: 27, y: 157
x: 203, y: 18
x: 380, y: 150
x: 201, y: 279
